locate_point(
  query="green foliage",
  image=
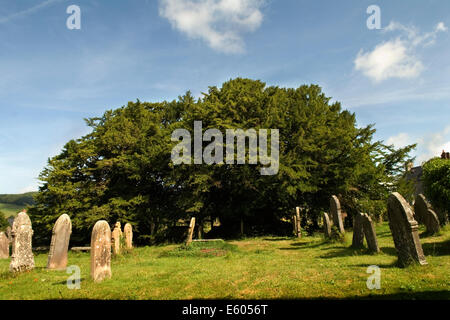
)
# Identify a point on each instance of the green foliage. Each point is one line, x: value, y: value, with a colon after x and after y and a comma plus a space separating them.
x: 436, y: 183
x: 336, y: 236
x: 122, y: 170
x: 3, y: 222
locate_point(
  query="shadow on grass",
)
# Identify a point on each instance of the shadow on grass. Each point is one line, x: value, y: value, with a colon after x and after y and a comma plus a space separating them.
x: 344, y: 252
x: 381, y: 265
x: 65, y: 282
x: 436, y: 248
x: 304, y: 245
x: 279, y: 239
x: 389, y: 251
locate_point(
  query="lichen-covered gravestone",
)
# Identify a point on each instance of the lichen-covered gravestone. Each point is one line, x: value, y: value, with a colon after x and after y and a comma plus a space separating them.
x: 358, y: 232
x: 59, y: 246
x: 425, y: 215
x: 370, y: 233
x: 128, y: 230
x: 101, y: 251
x: 4, y: 246
x: 117, y: 238
x: 336, y: 215
x: 22, y: 258
x: 404, y: 230
x: 190, y: 231
x: 326, y: 225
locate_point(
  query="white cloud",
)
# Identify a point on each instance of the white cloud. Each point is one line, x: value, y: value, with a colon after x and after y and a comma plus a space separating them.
x: 428, y: 146
x: 399, y: 141
x: 396, y: 58
x: 433, y: 144
x: 218, y: 22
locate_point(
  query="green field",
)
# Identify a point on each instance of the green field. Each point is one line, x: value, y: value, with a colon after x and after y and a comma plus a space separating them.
x: 9, y: 209
x: 254, y: 268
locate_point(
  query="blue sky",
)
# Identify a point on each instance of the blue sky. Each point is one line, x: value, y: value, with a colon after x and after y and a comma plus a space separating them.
x: 51, y: 77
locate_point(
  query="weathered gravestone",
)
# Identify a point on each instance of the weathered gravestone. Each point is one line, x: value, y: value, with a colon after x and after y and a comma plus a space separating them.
x: 370, y: 233
x: 116, y: 238
x: 298, y: 229
x: 425, y: 215
x: 404, y: 230
x: 190, y: 231
x: 128, y: 230
x: 4, y: 246
x: 22, y: 258
x: 59, y: 246
x: 101, y: 251
x: 336, y: 215
x: 8, y: 233
x: 326, y: 225
x: 358, y: 231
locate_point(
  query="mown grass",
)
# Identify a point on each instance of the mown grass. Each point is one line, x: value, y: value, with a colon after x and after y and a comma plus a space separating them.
x: 254, y: 268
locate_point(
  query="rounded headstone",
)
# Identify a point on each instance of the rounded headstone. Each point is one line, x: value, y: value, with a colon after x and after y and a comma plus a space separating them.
x: 22, y: 258
x: 326, y: 225
x: 336, y: 214
x: 4, y: 246
x: 128, y: 231
x: 101, y: 251
x: 425, y: 215
x: 59, y: 246
x: 404, y: 230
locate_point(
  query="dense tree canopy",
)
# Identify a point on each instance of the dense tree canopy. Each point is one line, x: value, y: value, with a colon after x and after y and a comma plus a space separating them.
x: 122, y: 170
x: 436, y: 182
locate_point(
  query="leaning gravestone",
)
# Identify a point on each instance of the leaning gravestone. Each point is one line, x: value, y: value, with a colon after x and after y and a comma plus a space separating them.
x: 101, y: 251
x: 425, y: 215
x: 370, y: 233
x: 128, y: 231
x: 404, y: 230
x: 22, y: 258
x: 326, y: 225
x: 358, y: 231
x: 116, y: 238
x: 336, y: 215
x: 190, y: 231
x: 4, y: 246
x: 57, y: 257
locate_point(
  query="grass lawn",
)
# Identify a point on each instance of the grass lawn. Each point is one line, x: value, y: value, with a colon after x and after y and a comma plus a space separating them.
x: 10, y: 209
x: 254, y: 268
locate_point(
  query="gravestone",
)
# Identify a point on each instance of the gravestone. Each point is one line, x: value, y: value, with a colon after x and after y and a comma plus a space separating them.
x: 404, y: 230
x: 128, y: 230
x: 326, y: 225
x: 370, y: 233
x: 190, y: 231
x: 294, y: 223
x: 4, y: 246
x: 57, y: 257
x: 101, y: 251
x: 336, y: 215
x: 297, y: 223
x: 22, y: 258
x: 358, y: 231
x: 8, y: 234
x: 116, y: 238
x: 425, y: 215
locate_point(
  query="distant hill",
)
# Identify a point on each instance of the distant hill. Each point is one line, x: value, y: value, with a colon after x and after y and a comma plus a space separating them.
x: 23, y: 199
x: 11, y: 204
